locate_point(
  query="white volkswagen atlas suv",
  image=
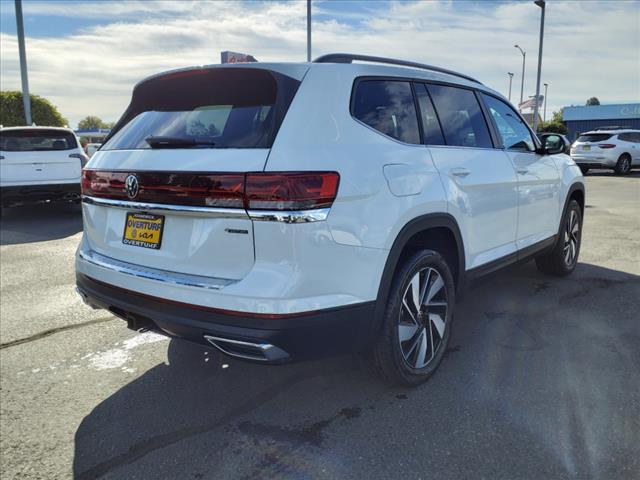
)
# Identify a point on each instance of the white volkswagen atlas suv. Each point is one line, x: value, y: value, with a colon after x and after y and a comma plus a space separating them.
x: 613, y: 147
x: 283, y: 211
x: 39, y: 163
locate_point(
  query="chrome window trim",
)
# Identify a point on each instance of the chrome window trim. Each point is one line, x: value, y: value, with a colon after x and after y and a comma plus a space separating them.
x: 212, y: 212
x: 174, y: 278
x: 301, y: 216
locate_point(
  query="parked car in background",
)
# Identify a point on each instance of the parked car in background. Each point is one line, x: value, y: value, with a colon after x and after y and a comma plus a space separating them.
x: 92, y: 148
x: 283, y: 211
x: 563, y: 138
x: 618, y: 149
x: 38, y: 164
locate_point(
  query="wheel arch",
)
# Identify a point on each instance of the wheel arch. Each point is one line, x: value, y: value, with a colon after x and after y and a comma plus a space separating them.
x: 427, y: 231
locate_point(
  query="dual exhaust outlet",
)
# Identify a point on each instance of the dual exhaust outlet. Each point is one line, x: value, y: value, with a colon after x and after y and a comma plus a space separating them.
x: 262, y: 352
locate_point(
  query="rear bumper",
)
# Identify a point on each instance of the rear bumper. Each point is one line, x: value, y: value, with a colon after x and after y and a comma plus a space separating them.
x: 594, y: 162
x: 35, y: 193
x: 259, y: 337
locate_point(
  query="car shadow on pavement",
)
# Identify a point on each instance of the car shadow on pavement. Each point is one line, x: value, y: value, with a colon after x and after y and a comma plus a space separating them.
x: 538, y: 382
x: 39, y: 222
x: 610, y: 173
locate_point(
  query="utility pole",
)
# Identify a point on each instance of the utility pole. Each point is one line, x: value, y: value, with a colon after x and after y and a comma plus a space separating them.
x: 308, y: 30
x: 524, y: 57
x: 510, y: 80
x: 544, y: 114
x: 541, y: 4
x: 26, y: 99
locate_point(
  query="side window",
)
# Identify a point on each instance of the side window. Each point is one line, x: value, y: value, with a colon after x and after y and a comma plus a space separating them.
x: 387, y: 106
x: 635, y: 137
x: 513, y: 131
x: 461, y: 118
x: 626, y: 137
x: 430, y: 125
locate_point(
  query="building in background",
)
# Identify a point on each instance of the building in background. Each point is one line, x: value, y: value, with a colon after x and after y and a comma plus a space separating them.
x: 585, y: 118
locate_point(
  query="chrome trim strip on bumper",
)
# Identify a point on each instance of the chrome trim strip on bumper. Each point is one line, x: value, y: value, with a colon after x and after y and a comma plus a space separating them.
x: 174, y: 278
x: 300, y: 216
x: 195, y: 211
x: 293, y: 216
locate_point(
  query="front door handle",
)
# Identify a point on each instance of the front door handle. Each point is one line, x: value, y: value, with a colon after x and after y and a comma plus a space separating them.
x: 522, y: 170
x: 460, y: 172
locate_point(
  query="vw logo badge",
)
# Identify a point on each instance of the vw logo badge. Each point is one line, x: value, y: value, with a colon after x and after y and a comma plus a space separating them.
x: 131, y: 186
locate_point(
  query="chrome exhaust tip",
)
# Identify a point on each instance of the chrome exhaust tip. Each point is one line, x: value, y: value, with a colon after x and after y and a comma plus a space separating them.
x: 261, y: 352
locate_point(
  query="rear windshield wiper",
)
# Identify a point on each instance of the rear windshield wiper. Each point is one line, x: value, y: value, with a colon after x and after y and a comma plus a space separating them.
x: 177, y: 142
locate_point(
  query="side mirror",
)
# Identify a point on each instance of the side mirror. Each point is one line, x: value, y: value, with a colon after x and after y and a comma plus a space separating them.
x: 554, y: 144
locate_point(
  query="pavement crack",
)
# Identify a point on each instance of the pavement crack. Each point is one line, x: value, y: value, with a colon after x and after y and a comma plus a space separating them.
x: 53, y: 331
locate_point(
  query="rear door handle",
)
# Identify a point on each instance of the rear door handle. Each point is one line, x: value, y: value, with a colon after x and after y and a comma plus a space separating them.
x: 522, y: 170
x: 460, y: 172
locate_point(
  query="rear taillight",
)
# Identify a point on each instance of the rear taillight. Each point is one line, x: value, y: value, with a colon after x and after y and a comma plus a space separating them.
x: 193, y: 189
x: 606, y: 145
x: 290, y: 191
x: 253, y: 191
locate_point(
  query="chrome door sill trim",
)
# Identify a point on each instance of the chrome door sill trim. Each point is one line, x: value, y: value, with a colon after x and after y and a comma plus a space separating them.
x: 211, y: 212
x: 173, y: 278
x: 301, y: 216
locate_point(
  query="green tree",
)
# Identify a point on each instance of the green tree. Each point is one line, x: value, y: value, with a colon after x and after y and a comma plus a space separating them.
x: 43, y: 112
x: 552, y: 127
x: 91, y: 122
x: 593, y: 101
x: 557, y: 117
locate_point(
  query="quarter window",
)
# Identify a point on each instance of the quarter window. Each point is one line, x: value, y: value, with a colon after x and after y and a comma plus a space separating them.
x: 387, y: 106
x: 512, y: 130
x: 431, y: 132
x: 462, y: 121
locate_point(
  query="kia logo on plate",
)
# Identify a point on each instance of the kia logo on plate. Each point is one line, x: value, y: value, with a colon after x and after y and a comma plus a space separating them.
x: 131, y: 186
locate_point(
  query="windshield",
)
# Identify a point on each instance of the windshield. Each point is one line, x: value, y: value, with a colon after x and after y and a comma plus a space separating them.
x: 29, y: 140
x: 209, y: 108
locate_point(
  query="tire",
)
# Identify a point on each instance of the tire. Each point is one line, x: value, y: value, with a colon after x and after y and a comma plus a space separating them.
x: 584, y: 170
x: 562, y: 260
x: 413, y: 360
x: 623, y: 166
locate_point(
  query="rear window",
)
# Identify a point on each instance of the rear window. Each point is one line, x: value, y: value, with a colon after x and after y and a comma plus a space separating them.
x: 594, y: 137
x: 387, y: 106
x: 29, y: 140
x: 207, y: 108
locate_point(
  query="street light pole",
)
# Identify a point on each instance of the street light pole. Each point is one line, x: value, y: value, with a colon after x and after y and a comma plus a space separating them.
x: 26, y: 99
x: 544, y: 112
x: 510, y: 80
x: 541, y: 4
x: 308, y: 30
x: 524, y: 57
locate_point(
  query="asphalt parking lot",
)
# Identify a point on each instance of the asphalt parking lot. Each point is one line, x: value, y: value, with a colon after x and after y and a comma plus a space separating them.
x: 541, y: 380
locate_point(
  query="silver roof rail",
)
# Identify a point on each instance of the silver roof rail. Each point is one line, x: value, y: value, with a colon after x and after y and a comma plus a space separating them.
x: 349, y: 58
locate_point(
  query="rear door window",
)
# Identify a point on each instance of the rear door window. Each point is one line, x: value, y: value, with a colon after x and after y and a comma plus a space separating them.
x: 462, y: 121
x: 388, y: 107
x: 512, y: 130
x: 31, y: 140
x: 206, y: 108
x: 431, y: 132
